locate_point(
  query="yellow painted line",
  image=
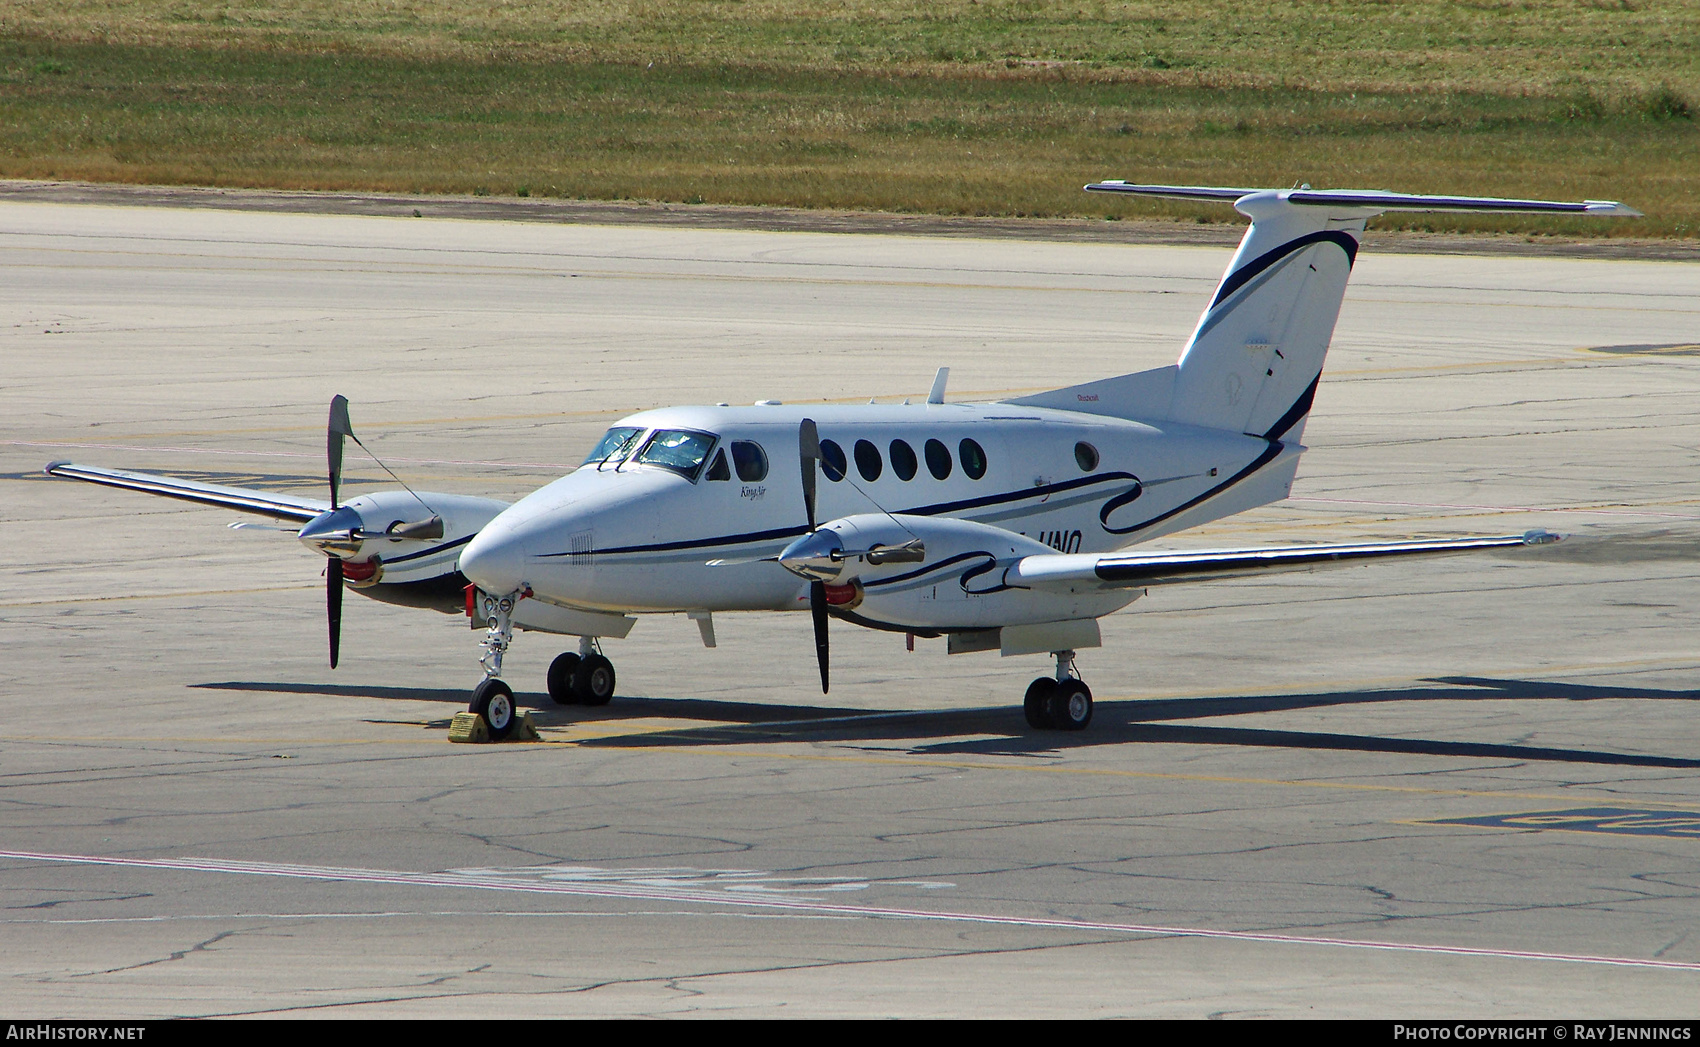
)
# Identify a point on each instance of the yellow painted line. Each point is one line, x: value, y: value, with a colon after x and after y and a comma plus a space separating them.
x: 1160, y: 776
x: 1375, y: 682
x: 906, y: 762
x: 1539, y: 361
x: 895, y: 761
x: 156, y: 596
x: 1334, y: 372
x: 548, y: 269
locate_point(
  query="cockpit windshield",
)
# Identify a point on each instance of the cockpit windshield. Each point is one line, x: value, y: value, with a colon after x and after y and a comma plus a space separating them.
x: 681, y: 450
x: 614, y: 446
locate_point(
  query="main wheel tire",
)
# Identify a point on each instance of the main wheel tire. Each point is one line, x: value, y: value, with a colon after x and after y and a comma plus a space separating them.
x: 1036, y: 703
x: 593, y: 680
x: 561, y: 679
x: 494, y: 701
x: 1070, y: 706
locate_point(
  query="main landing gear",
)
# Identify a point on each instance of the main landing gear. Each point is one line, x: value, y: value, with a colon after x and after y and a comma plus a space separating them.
x: 584, y: 678
x: 1063, y: 703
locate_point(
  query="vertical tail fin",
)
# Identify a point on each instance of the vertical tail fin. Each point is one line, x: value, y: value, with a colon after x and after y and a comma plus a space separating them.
x: 1253, y: 361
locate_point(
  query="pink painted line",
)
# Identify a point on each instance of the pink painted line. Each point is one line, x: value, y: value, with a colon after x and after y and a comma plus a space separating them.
x: 1497, y: 508
x: 282, y: 454
x: 591, y: 890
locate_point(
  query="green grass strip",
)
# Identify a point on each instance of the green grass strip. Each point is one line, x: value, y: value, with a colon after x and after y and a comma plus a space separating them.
x: 936, y: 140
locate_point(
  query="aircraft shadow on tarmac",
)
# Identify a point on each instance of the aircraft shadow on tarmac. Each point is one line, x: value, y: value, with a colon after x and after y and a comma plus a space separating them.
x: 941, y: 732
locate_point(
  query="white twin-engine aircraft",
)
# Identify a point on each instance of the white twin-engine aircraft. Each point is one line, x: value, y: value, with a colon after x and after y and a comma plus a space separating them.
x: 992, y: 524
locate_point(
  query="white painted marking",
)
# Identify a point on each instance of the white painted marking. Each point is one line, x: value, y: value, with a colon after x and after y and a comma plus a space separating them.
x: 481, y: 880
x: 673, y: 879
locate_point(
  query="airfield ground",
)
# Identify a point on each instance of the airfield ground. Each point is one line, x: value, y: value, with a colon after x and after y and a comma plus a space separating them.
x: 1329, y: 794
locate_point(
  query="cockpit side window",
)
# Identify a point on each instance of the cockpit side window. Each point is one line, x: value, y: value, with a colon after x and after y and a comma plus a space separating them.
x: 718, y: 470
x: 614, y: 446
x: 681, y: 450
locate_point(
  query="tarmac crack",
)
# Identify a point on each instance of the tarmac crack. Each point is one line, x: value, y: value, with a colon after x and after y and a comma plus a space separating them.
x: 672, y: 981
x: 204, y: 946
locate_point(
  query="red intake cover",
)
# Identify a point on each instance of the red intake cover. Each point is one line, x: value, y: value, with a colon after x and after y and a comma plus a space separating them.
x: 359, y: 572
x: 839, y: 595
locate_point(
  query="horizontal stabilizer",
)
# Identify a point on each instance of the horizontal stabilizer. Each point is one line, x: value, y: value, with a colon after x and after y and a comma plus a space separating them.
x: 242, y: 499
x: 1371, y: 201
x: 1138, y: 570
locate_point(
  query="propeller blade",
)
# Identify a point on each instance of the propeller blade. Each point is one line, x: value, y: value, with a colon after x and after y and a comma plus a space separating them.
x: 333, y: 604
x: 808, y: 440
x: 335, y: 431
x: 817, y: 610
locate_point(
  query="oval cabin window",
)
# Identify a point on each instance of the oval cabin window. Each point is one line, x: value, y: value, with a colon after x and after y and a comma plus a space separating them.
x: 832, y: 461
x: 973, y: 459
x: 903, y: 461
x: 868, y: 461
x: 938, y: 460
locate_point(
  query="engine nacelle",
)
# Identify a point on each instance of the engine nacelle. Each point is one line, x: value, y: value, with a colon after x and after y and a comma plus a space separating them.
x: 960, y: 579
x: 391, y: 537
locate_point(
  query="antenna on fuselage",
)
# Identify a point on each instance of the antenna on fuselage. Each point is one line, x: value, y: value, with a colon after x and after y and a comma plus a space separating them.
x: 936, y: 396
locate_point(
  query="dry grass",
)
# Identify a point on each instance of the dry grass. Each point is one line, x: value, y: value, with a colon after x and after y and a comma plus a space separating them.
x: 1539, y: 46
x: 997, y: 107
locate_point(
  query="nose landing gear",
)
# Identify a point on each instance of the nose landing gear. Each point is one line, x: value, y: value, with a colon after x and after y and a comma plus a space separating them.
x: 1062, y: 703
x: 492, y: 699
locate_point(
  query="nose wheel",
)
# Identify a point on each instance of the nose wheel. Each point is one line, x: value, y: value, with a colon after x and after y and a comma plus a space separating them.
x: 494, y: 701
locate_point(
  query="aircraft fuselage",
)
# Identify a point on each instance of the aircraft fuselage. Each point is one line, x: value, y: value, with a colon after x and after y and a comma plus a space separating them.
x: 628, y: 534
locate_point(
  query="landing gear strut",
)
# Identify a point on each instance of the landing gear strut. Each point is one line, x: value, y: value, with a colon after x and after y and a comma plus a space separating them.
x: 1062, y: 703
x: 492, y: 699
x: 584, y: 678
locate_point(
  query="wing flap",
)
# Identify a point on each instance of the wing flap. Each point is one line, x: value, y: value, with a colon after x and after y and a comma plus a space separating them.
x: 242, y: 499
x: 1138, y: 570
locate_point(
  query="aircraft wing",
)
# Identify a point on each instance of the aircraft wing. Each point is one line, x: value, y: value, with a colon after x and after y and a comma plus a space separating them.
x: 1138, y: 570
x: 242, y: 499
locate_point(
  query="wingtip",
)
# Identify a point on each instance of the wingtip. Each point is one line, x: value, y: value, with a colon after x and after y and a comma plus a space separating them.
x: 1611, y: 207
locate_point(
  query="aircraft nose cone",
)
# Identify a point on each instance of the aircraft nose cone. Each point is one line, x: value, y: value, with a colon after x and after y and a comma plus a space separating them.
x: 495, y: 559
